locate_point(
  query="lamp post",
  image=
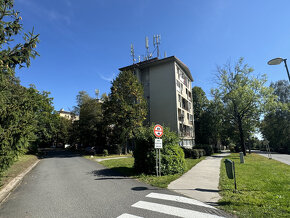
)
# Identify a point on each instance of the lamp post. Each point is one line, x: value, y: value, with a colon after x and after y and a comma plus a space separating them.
x: 277, y: 61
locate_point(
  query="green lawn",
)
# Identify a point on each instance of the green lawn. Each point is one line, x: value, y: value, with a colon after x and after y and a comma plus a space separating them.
x: 263, y: 188
x: 109, y: 156
x: 125, y: 166
x: 16, y: 168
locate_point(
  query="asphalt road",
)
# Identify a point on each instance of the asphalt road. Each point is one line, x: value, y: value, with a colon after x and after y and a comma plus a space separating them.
x: 284, y: 158
x: 67, y: 185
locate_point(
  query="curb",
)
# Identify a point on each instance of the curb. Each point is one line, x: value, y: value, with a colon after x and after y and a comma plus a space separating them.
x: 5, y: 192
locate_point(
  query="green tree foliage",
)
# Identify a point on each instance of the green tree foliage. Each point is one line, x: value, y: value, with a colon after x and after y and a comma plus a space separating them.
x: 125, y: 108
x: 208, y: 117
x: 89, y: 130
x: 244, y: 98
x: 172, y: 161
x: 26, y: 115
x: 276, y: 124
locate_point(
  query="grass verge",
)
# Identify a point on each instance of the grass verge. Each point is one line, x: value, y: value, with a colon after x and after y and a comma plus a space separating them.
x: 263, y: 188
x: 18, y: 167
x: 104, y: 157
x: 125, y: 167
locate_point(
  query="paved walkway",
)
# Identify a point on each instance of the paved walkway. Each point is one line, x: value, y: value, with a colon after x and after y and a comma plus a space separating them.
x: 284, y: 158
x: 201, y: 182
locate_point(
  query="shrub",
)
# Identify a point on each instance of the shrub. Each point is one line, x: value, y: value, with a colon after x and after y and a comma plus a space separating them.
x: 232, y: 147
x: 187, y: 152
x: 207, y: 148
x: 195, y: 154
x: 201, y: 152
x: 105, y: 152
x: 172, y: 155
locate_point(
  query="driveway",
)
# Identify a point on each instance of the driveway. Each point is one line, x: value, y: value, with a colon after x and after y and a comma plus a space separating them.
x: 67, y: 185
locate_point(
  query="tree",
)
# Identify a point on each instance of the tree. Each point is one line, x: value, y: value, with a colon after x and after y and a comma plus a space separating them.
x: 90, y: 125
x: 276, y: 125
x: 125, y: 108
x: 244, y: 97
x: 17, y: 105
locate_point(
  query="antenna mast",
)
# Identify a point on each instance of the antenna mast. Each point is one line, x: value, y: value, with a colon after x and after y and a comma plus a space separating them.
x: 97, y: 92
x: 133, y: 53
x: 156, y: 43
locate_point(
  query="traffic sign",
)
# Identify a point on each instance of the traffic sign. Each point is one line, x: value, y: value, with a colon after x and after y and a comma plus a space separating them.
x: 158, y: 130
x: 158, y: 143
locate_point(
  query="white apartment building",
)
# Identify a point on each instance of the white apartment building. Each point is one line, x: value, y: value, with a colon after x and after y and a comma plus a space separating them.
x: 68, y: 115
x: 167, y: 88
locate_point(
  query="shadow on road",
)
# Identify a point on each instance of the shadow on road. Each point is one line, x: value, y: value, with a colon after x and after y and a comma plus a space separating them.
x: 107, y: 174
x: 56, y: 153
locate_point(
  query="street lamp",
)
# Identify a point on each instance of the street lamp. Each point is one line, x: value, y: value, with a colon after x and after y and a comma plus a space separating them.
x: 277, y: 61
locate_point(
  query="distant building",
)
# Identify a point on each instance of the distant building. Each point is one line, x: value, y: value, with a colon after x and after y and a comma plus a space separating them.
x: 68, y: 115
x: 167, y: 88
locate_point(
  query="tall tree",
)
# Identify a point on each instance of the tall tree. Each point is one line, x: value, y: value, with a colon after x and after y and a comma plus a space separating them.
x: 276, y: 124
x: 244, y: 97
x: 125, y: 108
x: 17, y: 105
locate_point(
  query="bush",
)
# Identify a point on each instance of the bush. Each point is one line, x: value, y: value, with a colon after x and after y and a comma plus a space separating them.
x: 207, y: 148
x: 105, y: 152
x: 187, y: 152
x: 201, y: 152
x: 232, y: 147
x: 195, y: 154
x: 172, y: 155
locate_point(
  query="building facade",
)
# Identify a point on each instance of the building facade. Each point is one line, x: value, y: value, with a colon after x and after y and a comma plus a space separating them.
x: 167, y: 88
x: 68, y: 115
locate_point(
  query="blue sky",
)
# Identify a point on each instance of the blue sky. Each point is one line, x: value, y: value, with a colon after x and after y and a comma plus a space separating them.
x: 84, y: 43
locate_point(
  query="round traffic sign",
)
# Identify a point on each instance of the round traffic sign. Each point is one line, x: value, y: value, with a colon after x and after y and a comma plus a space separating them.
x: 158, y: 130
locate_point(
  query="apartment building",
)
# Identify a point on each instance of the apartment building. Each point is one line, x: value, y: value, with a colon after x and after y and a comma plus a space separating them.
x: 167, y: 88
x: 68, y: 115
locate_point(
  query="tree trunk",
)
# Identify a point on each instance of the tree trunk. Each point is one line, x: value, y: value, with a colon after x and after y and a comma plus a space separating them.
x: 242, y: 140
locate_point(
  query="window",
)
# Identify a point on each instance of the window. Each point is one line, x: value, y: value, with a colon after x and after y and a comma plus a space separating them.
x: 178, y: 86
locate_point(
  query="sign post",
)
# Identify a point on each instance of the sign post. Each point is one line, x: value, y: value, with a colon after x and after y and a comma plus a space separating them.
x: 158, y: 132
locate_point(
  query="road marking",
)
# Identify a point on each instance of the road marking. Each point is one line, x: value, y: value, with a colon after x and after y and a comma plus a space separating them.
x: 170, y: 210
x: 127, y: 215
x: 178, y: 199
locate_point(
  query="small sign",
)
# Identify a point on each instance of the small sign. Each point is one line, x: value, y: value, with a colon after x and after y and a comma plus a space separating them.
x: 158, y: 143
x: 158, y: 130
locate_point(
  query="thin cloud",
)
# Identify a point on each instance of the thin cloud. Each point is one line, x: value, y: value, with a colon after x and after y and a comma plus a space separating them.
x: 52, y: 15
x: 109, y: 79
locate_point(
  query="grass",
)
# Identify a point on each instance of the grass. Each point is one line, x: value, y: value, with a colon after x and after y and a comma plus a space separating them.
x: 125, y: 167
x: 18, y: 167
x: 263, y: 188
x: 109, y: 156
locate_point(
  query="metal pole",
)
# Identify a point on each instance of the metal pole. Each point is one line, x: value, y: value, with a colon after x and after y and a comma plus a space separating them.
x: 156, y: 162
x: 235, y: 176
x: 287, y: 69
x: 159, y: 162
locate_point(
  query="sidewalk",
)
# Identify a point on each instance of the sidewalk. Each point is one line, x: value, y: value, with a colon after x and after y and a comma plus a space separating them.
x: 201, y: 182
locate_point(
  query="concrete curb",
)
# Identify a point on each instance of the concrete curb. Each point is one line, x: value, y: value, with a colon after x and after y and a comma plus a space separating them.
x: 5, y: 192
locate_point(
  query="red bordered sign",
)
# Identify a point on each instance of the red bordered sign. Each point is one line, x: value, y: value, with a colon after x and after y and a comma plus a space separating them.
x: 158, y: 130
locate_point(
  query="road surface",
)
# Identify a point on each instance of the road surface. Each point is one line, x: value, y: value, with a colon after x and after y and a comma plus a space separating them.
x: 284, y: 158
x: 67, y: 185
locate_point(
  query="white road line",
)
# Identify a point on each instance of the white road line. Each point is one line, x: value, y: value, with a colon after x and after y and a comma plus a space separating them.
x: 178, y: 199
x: 170, y: 210
x: 127, y: 215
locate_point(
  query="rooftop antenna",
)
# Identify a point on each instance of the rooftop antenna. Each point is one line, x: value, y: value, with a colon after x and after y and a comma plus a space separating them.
x: 165, y: 55
x: 156, y: 43
x: 147, y: 48
x: 97, y: 92
x: 133, y: 53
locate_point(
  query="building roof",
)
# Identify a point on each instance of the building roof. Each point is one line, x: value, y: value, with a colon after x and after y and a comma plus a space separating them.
x: 156, y: 61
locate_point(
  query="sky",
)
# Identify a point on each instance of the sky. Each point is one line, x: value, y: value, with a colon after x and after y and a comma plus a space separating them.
x: 84, y: 43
